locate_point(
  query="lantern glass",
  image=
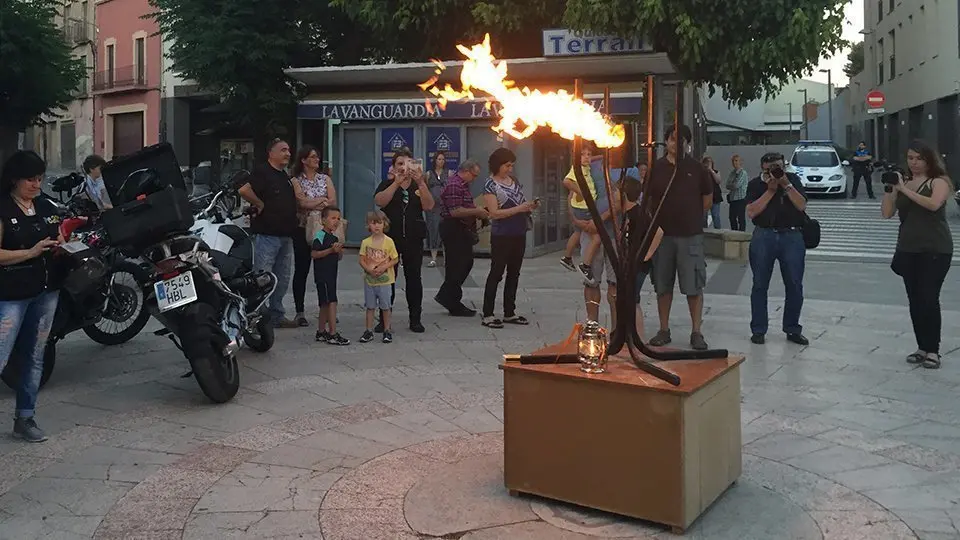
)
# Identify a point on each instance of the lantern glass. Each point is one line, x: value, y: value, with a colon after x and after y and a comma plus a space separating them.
x: 592, y: 347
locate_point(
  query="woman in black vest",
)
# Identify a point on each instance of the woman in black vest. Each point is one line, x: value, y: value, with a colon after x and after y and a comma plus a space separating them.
x: 28, y: 300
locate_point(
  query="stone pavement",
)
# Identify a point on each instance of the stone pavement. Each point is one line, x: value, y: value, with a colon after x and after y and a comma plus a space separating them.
x: 842, y: 439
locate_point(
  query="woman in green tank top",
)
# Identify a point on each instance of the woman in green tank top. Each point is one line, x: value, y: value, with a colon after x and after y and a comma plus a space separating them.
x: 924, y: 244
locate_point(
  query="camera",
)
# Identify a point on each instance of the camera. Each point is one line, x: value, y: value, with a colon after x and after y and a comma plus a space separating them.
x: 889, y: 176
x: 776, y: 171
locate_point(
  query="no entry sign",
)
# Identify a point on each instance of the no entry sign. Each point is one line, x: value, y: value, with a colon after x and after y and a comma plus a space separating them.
x: 876, y: 99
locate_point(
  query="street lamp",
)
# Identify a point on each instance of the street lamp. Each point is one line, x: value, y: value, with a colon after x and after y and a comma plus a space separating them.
x: 829, y: 100
x: 803, y: 113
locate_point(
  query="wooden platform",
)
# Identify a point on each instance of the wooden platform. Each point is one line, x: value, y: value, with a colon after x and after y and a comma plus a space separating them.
x: 624, y: 441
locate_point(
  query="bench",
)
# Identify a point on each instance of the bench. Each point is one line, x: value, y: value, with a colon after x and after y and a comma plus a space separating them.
x: 726, y: 244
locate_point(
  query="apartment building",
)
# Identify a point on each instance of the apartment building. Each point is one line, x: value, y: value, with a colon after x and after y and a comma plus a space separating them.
x: 65, y: 137
x: 912, y: 55
x: 127, y: 83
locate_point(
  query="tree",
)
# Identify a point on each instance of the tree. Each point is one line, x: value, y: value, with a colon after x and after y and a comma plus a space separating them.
x: 39, y: 74
x: 745, y: 48
x: 238, y: 50
x: 854, y: 60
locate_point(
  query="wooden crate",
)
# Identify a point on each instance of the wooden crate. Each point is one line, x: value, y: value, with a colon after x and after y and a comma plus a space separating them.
x: 624, y: 441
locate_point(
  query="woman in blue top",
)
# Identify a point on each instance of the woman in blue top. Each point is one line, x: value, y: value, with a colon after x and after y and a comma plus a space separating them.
x: 510, y: 214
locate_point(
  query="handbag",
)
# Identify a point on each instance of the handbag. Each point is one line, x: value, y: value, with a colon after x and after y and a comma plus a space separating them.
x: 810, y: 229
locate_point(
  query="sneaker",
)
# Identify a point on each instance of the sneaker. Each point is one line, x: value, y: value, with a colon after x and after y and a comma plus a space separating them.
x: 432, y: 264
x: 758, y: 339
x: 367, y: 337
x: 799, y: 339
x: 417, y: 327
x: 567, y: 262
x: 26, y: 429
x: 662, y: 338
x: 322, y: 336
x: 587, y: 272
x: 387, y: 336
x: 697, y: 341
x: 337, y: 339
x: 301, y: 320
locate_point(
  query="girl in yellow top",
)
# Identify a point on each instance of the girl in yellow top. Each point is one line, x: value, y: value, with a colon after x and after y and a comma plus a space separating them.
x: 378, y: 258
x: 579, y: 208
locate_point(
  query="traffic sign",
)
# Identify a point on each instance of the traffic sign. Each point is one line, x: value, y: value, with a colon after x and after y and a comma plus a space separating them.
x: 876, y: 99
x: 878, y: 110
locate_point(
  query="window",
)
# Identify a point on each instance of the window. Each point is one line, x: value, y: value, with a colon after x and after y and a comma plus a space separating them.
x: 890, y: 6
x: 893, y: 55
x: 140, y: 57
x: 111, y: 59
x: 815, y: 158
x: 879, y: 11
x: 881, y: 62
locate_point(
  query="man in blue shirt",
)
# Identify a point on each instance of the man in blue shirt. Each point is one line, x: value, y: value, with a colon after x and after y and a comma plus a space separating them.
x: 93, y: 185
x: 862, y: 168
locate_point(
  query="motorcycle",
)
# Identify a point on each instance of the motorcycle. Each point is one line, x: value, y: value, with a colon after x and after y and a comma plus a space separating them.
x: 205, y: 292
x: 103, y: 298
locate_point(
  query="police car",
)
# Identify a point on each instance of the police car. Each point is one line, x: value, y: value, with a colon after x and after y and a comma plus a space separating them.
x: 819, y: 167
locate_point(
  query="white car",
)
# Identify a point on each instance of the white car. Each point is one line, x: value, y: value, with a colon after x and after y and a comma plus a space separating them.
x: 819, y: 168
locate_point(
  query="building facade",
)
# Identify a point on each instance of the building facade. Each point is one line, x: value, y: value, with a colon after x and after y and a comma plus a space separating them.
x: 912, y: 55
x: 360, y: 115
x: 127, y: 83
x: 65, y: 137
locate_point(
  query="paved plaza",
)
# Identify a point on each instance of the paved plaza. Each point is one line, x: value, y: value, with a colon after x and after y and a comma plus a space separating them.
x: 841, y: 439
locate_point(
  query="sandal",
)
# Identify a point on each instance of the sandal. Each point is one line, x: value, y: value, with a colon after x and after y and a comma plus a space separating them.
x: 916, y: 358
x: 491, y: 322
x: 931, y: 362
x: 516, y: 319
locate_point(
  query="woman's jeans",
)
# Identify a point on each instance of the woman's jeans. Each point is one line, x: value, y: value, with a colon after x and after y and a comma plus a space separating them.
x: 24, y: 328
x: 302, y: 262
x: 738, y: 215
x: 506, y: 253
x: 923, y: 275
x: 715, y: 214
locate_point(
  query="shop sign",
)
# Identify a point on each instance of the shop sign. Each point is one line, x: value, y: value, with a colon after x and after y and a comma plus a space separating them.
x: 446, y: 140
x: 563, y: 42
x: 391, y: 140
x: 468, y: 110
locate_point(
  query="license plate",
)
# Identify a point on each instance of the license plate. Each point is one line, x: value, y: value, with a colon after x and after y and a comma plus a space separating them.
x: 175, y: 292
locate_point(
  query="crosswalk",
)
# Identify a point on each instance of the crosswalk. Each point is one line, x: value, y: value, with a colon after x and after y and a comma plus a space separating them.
x: 854, y: 230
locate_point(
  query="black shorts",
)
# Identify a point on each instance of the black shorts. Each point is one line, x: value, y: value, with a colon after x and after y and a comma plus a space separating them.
x: 326, y: 291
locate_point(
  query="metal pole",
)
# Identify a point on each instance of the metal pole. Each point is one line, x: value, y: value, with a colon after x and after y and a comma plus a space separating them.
x: 790, y: 112
x: 651, y: 133
x: 876, y: 137
x: 830, y: 103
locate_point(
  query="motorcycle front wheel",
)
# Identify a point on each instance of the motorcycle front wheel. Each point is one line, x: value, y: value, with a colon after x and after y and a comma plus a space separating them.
x: 125, y: 315
x: 11, y: 372
x: 217, y: 374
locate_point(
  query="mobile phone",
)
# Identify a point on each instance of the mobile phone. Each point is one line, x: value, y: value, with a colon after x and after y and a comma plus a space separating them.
x: 418, y: 164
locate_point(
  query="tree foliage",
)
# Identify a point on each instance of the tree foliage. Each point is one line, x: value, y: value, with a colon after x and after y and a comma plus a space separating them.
x: 855, y: 60
x: 744, y: 48
x: 239, y: 49
x: 39, y: 75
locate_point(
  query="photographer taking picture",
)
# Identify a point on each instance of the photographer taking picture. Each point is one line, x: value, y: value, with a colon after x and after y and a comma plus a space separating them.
x: 776, y: 202
x: 924, y: 243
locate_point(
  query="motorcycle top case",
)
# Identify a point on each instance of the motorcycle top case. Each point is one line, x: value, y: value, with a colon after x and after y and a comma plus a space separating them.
x: 158, y: 157
x: 149, y: 220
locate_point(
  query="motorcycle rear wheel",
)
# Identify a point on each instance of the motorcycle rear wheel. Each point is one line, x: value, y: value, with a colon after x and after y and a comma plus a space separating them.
x: 11, y: 372
x: 142, y: 316
x: 262, y: 340
x: 203, y: 341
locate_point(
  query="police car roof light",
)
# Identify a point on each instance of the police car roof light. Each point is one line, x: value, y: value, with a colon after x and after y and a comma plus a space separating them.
x: 816, y: 143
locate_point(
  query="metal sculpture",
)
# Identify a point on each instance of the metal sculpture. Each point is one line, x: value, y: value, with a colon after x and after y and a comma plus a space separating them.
x: 626, y: 257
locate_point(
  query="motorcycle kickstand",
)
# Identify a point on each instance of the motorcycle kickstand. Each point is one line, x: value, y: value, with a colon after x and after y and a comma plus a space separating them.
x: 169, y: 335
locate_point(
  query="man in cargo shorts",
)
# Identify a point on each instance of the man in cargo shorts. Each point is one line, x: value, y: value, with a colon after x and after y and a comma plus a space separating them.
x: 680, y: 255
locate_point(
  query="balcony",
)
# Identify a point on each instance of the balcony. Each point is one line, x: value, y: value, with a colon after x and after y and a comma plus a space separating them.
x: 76, y: 31
x: 121, y: 79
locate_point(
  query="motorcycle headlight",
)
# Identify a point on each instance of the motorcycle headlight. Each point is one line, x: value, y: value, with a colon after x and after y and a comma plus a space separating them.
x: 836, y: 178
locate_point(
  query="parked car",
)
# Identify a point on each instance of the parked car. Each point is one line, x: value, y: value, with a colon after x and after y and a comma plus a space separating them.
x: 819, y: 167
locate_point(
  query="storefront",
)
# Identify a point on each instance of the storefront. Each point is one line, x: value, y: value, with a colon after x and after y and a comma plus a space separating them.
x: 360, y: 115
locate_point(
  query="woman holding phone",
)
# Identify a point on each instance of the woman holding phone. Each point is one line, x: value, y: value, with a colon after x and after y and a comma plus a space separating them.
x: 403, y: 197
x: 510, y: 218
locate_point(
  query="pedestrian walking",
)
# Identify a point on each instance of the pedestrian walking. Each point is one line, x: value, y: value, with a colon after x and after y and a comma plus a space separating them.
x: 714, y: 211
x: 736, y: 186
x: 680, y: 254
x: 509, y: 213
x: 924, y: 244
x: 776, y: 203
x: 459, y: 232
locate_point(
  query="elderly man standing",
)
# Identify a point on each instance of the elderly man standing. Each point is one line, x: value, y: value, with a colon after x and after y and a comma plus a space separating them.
x: 680, y: 254
x: 274, y: 196
x: 459, y: 232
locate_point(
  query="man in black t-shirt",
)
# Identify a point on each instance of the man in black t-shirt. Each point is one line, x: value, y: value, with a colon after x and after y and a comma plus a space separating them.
x: 274, y: 197
x: 776, y: 202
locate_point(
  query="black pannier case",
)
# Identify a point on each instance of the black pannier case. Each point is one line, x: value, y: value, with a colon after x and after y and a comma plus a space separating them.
x: 158, y: 157
x: 141, y: 223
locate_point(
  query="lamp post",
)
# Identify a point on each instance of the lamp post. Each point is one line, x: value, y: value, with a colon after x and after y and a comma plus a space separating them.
x: 790, y: 118
x: 829, y: 100
x: 803, y: 114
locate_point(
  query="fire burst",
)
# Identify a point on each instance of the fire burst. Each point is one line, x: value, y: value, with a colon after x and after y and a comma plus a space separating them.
x: 565, y: 114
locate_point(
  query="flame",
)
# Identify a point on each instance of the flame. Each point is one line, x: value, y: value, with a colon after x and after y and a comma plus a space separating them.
x: 563, y: 113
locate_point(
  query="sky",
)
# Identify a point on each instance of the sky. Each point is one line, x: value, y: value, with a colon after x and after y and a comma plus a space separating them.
x: 851, y: 32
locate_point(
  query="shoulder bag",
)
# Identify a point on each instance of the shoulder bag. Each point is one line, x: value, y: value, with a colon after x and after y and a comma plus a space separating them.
x: 810, y: 229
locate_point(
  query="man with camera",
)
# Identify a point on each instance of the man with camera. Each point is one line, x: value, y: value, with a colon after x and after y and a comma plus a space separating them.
x: 775, y: 203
